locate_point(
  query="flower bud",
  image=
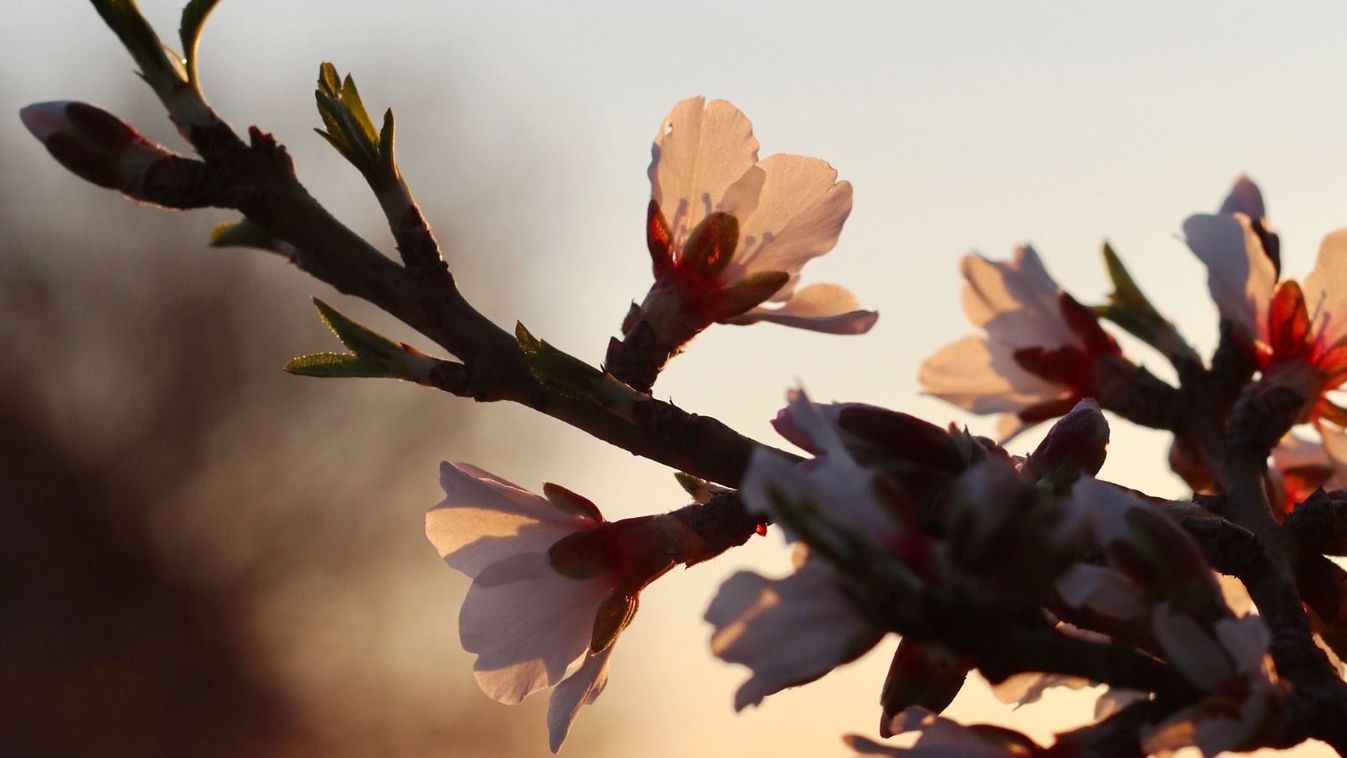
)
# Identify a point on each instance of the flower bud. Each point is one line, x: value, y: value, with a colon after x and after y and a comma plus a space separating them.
x: 92, y: 143
x: 1075, y: 445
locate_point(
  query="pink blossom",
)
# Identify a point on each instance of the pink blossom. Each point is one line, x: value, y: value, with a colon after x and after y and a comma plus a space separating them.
x: 1036, y: 358
x: 795, y: 629
x: 532, y: 619
x: 787, y: 631
x: 1297, y: 333
x: 787, y: 210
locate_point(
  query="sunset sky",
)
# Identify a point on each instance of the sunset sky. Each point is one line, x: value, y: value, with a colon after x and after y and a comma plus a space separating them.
x: 524, y: 129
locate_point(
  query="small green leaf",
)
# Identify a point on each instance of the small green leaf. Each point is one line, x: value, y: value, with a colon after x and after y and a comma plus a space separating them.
x: 359, y: 338
x: 350, y: 97
x: 336, y: 365
x: 386, y: 150
x: 329, y: 83
x: 193, y: 19
x: 700, y: 490
x: 528, y: 344
x: 348, y: 126
x: 244, y: 233
x: 692, y: 485
x: 372, y: 354
x: 1127, y: 306
x: 557, y: 369
x: 572, y: 377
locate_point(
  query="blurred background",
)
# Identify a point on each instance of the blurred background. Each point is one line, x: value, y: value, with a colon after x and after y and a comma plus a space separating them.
x: 204, y: 555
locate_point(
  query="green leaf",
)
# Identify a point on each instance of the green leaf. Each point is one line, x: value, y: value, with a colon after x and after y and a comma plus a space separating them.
x: 572, y: 377
x: 348, y: 125
x: 386, y: 151
x: 359, y: 338
x: 189, y: 30
x: 372, y: 354
x: 336, y: 365
x: 329, y: 83
x: 1127, y: 306
x: 350, y: 97
x: 244, y: 233
x: 557, y: 369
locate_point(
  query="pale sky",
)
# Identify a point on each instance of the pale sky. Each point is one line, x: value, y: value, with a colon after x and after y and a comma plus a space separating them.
x: 524, y: 128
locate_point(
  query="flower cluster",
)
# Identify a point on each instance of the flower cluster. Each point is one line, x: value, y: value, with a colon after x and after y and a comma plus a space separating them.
x: 1296, y: 334
x: 1027, y: 569
x: 900, y: 526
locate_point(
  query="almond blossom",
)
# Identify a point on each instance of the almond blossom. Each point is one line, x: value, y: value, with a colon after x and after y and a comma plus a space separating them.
x: 1036, y: 358
x: 793, y: 630
x: 1172, y: 592
x: 729, y: 233
x: 1297, y: 334
x: 547, y: 601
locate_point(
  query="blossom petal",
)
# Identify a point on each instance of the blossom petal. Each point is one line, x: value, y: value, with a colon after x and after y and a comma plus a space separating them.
x: 1246, y: 640
x: 527, y: 624
x: 483, y: 519
x: 1103, y: 590
x: 799, y: 216
x: 819, y: 308
x: 982, y: 376
x: 788, y: 631
x: 1196, y: 655
x: 833, y: 481
x: 1246, y: 198
x: 581, y: 688
x: 1016, y: 301
x: 1028, y: 688
x: 700, y: 150
x: 1240, y: 276
x: 1326, y: 290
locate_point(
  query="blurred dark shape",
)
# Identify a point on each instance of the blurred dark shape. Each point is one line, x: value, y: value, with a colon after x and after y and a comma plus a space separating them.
x: 201, y: 555
x: 107, y: 651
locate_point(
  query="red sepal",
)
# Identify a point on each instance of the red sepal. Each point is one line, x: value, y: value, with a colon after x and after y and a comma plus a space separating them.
x: 571, y: 502
x: 658, y: 239
x: 1067, y: 366
x: 1084, y: 324
x: 1288, y: 322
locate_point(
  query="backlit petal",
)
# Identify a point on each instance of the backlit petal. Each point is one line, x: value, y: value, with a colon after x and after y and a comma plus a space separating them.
x: 1240, y: 275
x: 580, y: 688
x: 527, y: 624
x: 1016, y: 301
x: 983, y: 377
x: 799, y: 216
x: 788, y: 631
x: 483, y: 519
x: 820, y: 308
x: 700, y: 150
x: 1190, y: 648
x: 1326, y: 290
x: 1246, y: 198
